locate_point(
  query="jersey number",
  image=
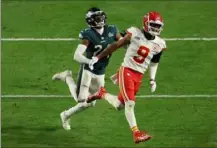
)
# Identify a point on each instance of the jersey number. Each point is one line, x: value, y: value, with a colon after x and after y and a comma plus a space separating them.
x: 99, y: 49
x: 143, y: 53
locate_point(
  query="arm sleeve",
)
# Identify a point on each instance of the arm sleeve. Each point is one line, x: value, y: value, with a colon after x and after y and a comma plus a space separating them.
x: 154, y: 65
x: 156, y: 58
x: 153, y: 70
x: 132, y: 31
x: 79, y: 54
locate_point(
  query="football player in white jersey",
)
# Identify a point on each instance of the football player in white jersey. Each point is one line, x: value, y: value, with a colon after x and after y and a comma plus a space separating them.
x: 144, y: 50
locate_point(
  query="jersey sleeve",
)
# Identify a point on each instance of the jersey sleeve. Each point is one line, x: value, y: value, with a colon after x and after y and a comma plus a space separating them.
x: 114, y: 30
x: 83, y: 35
x: 161, y: 42
x: 132, y: 31
x: 156, y: 58
x: 164, y: 46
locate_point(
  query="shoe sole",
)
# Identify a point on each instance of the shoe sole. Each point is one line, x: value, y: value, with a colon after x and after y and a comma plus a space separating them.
x: 144, y: 140
x: 55, y: 76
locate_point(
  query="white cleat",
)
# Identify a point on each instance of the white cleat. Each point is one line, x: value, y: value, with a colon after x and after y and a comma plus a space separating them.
x: 65, y: 121
x: 62, y: 75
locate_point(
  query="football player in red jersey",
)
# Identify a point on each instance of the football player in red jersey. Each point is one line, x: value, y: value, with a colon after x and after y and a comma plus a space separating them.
x: 143, y: 52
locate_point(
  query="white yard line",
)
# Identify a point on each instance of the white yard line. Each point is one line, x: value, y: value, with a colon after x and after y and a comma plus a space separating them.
x: 39, y: 39
x: 75, y: 39
x: 140, y: 96
x: 190, y: 39
x: 176, y: 96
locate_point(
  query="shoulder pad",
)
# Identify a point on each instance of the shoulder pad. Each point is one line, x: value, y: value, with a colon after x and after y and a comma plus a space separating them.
x: 111, y: 25
x: 161, y: 41
x: 113, y: 28
x: 133, y: 31
x: 85, y: 30
x: 84, y: 33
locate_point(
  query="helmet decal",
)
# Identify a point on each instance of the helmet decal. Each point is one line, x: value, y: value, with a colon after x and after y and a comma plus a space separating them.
x: 95, y: 18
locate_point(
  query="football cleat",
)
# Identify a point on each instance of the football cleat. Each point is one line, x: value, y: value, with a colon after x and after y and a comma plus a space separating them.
x: 139, y: 136
x: 65, y: 121
x: 62, y: 75
x: 98, y: 95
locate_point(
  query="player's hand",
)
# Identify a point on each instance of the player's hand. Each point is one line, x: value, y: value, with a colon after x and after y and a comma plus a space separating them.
x: 92, y: 62
x: 153, y: 85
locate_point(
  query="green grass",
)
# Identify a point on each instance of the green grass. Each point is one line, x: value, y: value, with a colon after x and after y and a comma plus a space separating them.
x: 66, y: 18
x: 172, y: 122
x: 187, y: 67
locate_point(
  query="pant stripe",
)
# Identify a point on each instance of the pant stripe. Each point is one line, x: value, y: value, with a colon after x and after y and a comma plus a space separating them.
x: 79, y: 79
x: 121, y: 84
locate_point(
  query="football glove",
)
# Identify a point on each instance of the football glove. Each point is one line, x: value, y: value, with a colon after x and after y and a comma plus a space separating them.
x: 153, y: 85
x: 92, y: 62
x: 114, y: 78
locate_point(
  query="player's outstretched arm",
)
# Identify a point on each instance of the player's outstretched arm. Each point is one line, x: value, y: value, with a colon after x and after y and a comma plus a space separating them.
x: 79, y: 52
x: 118, y: 37
x: 113, y: 47
x: 107, y: 51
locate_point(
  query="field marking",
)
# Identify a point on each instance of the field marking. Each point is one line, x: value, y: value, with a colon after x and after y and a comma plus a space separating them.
x: 75, y: 39
x: 39, y: 39
x: 140, y: 96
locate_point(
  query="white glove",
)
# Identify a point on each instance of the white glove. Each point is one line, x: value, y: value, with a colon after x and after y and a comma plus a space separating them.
x: 114, y: 78
x: 92, y: 62
x: 153, y: 85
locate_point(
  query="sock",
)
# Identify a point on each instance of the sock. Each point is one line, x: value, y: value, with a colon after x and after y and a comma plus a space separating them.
x: 134, y: 129
x: 113, y: 100
x: 72, y: 87
x: 77, y: 108
x: 130, y: 116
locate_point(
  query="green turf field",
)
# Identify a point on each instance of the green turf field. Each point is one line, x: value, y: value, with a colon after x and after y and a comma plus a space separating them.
x: 187, y: 68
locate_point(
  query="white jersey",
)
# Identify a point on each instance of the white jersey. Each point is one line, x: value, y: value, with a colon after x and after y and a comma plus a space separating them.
x: 140, y: 51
